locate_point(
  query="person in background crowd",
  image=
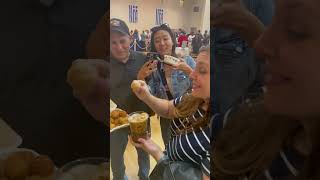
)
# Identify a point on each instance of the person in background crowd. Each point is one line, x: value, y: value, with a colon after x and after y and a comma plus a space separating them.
x: 136, y: 35
x: 179, y: 32
x: 148, y: 39
x: 136, y: 41
x: 165, y: 81
x: 131, y: 35
x: 190, y: 38
x: 206, y: 38
x: 143, y: 40
x: 200, y: 34
x: 239, y: 73
x: 197, y: 42
x: 176, y: 35
x: 182, y: 38
x: 278, y: 136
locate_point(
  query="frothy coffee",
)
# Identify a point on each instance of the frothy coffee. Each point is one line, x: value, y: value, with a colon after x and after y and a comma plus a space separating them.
x: 137, y: 118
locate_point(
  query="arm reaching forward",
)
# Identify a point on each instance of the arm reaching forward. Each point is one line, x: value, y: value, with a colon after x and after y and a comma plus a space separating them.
x: 163, y: 107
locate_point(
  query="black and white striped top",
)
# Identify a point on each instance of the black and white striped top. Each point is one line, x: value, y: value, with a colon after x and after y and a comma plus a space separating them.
x: 194, y: 146
x: 286, y: 165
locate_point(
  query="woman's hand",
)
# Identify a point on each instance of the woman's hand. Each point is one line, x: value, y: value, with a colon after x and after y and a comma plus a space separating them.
x: 229, y: 14
x: 150, y: 147
x: 141, y: 89
x: 183, y: 66
x: 147, y: 69
x: 89, y: 78
x: 89, y: 81
x: 205, y: 177
x: 162, y: 107
x: 232, y: 14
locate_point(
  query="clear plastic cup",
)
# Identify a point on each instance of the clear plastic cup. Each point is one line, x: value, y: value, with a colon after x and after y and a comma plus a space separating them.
x: 138, y: 125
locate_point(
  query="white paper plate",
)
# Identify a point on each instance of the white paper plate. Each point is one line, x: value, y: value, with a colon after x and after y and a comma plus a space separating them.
x: 9, y: 139
x: 113, y: 105
x: 119, y: 127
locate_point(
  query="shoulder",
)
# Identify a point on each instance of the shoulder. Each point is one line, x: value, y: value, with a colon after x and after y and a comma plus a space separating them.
x: 183, y: 98
x: 178, y: 100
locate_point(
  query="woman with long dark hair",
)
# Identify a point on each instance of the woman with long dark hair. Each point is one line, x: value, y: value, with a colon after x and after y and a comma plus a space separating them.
x: 166, y: 81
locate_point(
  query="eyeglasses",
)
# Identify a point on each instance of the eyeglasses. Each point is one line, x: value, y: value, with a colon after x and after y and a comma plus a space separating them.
x: 156, y: 28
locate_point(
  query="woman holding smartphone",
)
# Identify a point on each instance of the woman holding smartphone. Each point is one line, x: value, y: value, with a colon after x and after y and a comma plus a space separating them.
x: 166, y: 81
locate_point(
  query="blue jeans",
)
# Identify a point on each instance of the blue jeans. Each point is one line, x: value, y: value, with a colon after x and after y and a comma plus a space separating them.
x: 118, y: 144
x: 165, y: 129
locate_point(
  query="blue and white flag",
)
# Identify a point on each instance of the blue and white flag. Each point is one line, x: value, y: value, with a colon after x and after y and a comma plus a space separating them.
x: 133, y: 14
x: 159, y: 16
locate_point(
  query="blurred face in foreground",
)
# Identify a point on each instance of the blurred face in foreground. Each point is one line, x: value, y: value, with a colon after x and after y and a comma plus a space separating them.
x: 291, y: 46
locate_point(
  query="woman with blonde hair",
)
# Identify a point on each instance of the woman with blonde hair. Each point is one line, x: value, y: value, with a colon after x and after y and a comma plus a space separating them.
x: 190, y: 116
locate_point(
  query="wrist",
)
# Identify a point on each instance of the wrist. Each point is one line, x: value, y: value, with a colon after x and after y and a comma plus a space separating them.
x: 140, y: 76
x: 188, y: 70
x: 148, y: 98
x: 157, y: 155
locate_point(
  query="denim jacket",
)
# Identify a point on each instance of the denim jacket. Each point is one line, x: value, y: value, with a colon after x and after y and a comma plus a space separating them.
x: 180, y: 82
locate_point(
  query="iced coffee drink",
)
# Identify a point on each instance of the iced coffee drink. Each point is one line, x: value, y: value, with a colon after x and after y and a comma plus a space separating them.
x: 138, y: 125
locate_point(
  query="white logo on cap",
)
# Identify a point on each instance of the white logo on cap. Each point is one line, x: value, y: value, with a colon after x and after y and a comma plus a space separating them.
x: 115, y: 22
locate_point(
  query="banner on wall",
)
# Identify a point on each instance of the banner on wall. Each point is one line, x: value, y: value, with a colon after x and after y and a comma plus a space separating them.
x: 159, y: 16
x: 133, y: 14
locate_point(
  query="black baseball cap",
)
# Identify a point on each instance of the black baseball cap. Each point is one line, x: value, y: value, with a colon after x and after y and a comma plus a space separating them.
x: 119, y: 26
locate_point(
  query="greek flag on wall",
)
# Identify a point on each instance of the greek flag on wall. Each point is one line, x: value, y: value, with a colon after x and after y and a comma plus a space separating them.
x: 159, y: 16
x: 133, y: 14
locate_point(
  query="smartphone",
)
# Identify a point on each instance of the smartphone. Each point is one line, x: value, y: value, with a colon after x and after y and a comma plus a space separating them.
x: 154, y: 56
